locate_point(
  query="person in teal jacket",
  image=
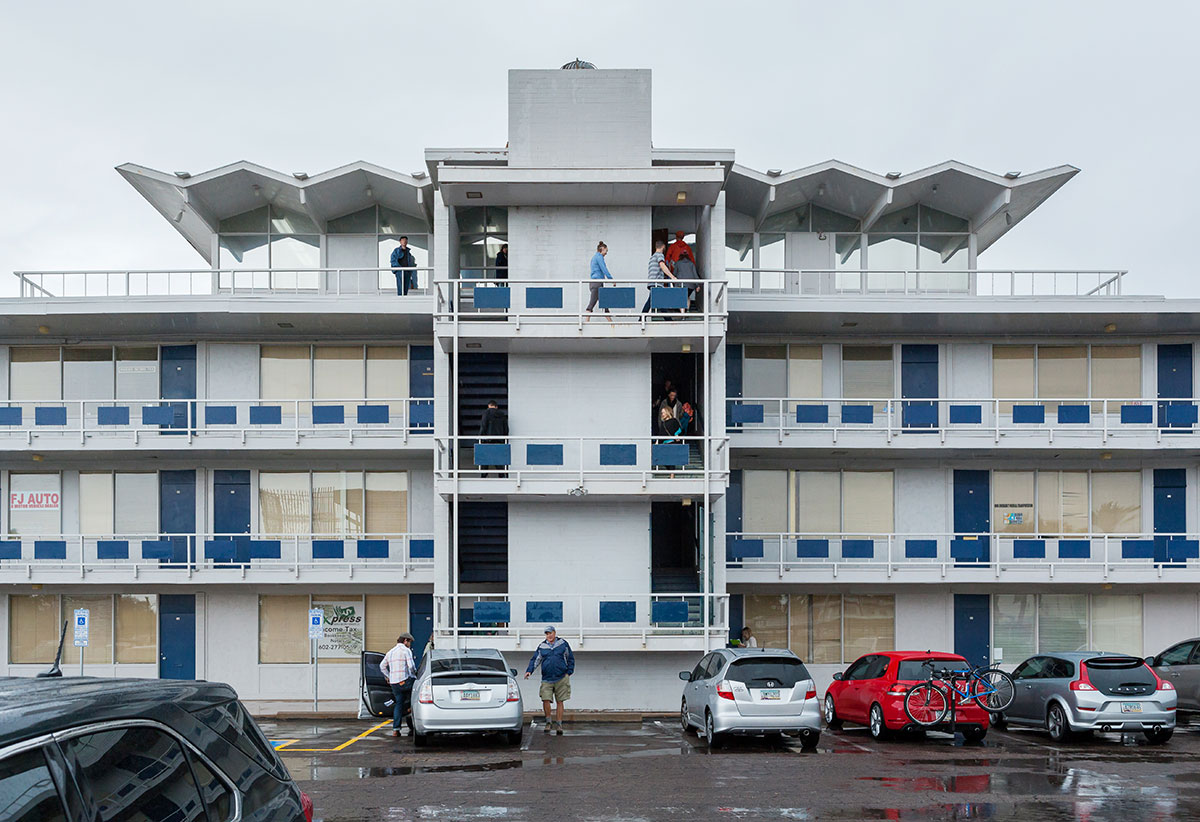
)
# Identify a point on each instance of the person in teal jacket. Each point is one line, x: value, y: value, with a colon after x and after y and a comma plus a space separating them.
x: 599, y: 275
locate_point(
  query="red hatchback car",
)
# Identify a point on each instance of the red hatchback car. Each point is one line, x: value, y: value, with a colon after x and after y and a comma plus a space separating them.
x: 871, y: 692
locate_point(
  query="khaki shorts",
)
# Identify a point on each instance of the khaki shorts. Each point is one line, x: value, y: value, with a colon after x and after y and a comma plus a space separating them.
x: 556, y: 691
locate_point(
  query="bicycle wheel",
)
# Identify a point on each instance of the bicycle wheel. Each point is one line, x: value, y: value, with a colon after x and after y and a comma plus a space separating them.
x: 993, y: 689
x: 926, y: 704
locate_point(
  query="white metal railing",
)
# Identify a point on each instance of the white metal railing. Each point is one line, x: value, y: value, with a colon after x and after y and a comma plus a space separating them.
x: 241, y: 419
x: 216, y: 282
x: 992, y: 418
x: 186, y: 554
x: 566, y: 300
x: 977, y: 283
x: 578, y: 618
x: 997, y: 552
x: 584, y: 460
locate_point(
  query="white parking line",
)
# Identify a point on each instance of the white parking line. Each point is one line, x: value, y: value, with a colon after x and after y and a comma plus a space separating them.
x: 855, y: 744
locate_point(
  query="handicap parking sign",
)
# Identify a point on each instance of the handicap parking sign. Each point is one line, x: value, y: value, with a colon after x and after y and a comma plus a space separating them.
x: 316, y: 624
x: 81, y: 627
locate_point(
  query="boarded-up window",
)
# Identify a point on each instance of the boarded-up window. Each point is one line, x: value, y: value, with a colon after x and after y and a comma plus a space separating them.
x: 283, y: 629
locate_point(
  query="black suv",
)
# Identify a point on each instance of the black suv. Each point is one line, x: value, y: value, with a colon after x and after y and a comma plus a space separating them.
x: 92, y: 750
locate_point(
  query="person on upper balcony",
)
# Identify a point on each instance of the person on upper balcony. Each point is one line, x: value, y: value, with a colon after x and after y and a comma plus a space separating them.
x: 599, y: 273
x: 678, y: 250
x: 658, y: 270
x: 502, y: 263
x: 404, y: 266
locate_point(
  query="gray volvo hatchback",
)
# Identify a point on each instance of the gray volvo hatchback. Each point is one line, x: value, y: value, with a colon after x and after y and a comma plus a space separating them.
x: 88, y: 750
x: 750, y: 691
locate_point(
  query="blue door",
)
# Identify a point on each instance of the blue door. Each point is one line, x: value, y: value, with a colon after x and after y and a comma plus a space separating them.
x: 1174, y: 380
x: 178, y: 381
x: 420, y: 383
x: 973, y: 628
x: 971, y: 516
x: 919, y: 378
x: 177, y: 512
x: 420, y: 621
x: 177, y: 636
x: 1170, y: 508
x: 733, y: 381
x: 733, y: 508
x: 231, y: 509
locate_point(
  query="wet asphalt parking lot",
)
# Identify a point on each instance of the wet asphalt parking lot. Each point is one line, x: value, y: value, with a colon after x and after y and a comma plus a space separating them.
x: 649, y: 770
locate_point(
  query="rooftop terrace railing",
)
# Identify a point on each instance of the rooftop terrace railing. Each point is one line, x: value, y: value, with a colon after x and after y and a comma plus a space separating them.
x: 240, y: 282
x: 991, y: 555
x: 1042, y: 418
x: 86, y: 555
x: 913, y: 282
x: 139, y: 421
x: 565, y: 301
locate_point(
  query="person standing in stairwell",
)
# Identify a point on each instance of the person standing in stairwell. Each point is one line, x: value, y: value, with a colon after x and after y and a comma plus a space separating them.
x: 558, y: 663
x: 599, y: 273
x: 493, y: 423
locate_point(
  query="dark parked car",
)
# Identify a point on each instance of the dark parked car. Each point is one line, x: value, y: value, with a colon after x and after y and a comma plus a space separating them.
x: 1180, y: 665
x: 88, y: 750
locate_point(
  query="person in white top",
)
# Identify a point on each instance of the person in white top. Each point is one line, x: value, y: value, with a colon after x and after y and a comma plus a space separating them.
x: 399, y: 668
x: 748, y: 640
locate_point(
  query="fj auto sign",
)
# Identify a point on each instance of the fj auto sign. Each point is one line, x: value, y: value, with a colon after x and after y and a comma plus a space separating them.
x: 33, y: 501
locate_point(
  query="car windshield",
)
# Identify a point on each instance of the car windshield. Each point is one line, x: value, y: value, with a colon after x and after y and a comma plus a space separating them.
x: 468, y: 663
x: 1107, y: 673
x: 917, y: 669
x: 781, y: 671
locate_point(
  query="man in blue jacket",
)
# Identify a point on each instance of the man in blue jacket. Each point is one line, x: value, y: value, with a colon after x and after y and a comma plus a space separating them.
x: 404, y: 266
x: 558, y: 663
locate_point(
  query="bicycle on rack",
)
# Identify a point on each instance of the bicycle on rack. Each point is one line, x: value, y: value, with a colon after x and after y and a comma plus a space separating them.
x: 927, y: 703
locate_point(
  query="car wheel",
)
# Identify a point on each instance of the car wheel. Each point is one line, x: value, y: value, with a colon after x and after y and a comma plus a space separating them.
x: 831, y: 718
x: 809, y: 739
x: 711, y: 736
x: 1056, y: 724
x: 420, y: 740
x: 1158, y: 737
x: 685, y: 723
x: 998, y: 721
x: 974, y: 733
x: 878, y: 728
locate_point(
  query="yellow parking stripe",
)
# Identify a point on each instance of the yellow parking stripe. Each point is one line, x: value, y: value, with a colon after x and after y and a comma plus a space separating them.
x: 285, y: 746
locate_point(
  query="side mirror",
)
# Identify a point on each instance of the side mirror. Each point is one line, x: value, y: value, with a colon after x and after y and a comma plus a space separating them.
x: 686, y: 676
x: 512, y: 671
x: 838, y: 676
x: 1151, y: 661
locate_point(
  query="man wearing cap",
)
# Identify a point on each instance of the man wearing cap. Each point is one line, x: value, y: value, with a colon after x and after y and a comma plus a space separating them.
x: 399, y: 668
x: 558, y: 663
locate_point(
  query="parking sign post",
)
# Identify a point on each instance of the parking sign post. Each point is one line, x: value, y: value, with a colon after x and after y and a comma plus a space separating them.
x: 316, y: 632
x: 81, y: 633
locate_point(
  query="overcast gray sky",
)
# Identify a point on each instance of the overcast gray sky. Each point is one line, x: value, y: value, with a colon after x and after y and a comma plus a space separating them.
x: 1109, y: 87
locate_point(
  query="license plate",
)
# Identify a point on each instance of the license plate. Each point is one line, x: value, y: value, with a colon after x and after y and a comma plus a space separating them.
x: 468, y: 696
x: 1131, y: 707
x: 771, y: 694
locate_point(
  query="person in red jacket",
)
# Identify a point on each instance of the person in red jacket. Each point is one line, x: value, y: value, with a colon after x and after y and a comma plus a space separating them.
x: 679, y: 249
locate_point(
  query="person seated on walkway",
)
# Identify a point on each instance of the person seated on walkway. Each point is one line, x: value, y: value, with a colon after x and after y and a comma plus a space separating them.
x: 599, y: 273
x: 658, y: 270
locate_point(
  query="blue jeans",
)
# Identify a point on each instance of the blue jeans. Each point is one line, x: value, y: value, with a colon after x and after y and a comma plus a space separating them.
x: 402, y: 705
x: 405, y: 281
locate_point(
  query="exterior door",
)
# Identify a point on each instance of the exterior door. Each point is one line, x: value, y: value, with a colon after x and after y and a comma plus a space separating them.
x: 420, y: 622
x: 177, y: 512
x: 1170, y: 508
x: 231, y: 509
x: 1025, y: 680
x: 972, y: 517
x: 1180, y: 666
x: 973, y: 628
x: 178, y: 382
x: 177, y: 636
x: 1174, y: 380
x: 850, y: 706
x: 919, y: 378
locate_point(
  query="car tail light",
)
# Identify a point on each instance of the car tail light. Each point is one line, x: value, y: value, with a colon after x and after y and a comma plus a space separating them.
x: 724, y: 690
x: 811, y: 693
x: 898, y: 690
x: 514, y: 695
x: 307, y: 806
x: 425, y: 696
x: 1163, y: 685
x: 1083, y: 683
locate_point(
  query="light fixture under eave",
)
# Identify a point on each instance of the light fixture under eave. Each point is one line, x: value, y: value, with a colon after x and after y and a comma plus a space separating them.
x: 681, y: 196
x: 300, y: 175
x: 285, y: 325
x: 183, y: 175
x: 849, y: 324
x: 1110, y: 327
x: 1012, y: 175
x: 1007, y: 218
x: 43, y: 329
x: 474, y: 345
x: 774, y: 172
x: 686, y: 348
x: 474, y: 195
x: 370, y: 192
x: 418, y: 175
x: 893, y: 175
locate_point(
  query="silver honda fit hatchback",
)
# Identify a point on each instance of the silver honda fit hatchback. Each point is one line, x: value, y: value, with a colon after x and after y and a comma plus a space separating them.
x: 750, y: 691
x: 460, y: 691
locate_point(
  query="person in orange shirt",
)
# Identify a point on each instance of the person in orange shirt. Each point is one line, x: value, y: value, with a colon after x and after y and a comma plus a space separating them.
x: 678, y: 250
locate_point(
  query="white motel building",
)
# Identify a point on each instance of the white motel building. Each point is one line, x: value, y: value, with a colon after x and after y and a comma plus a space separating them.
x: 890, y: 445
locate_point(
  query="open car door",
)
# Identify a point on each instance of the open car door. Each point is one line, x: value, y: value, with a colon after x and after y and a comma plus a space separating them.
x: 376, y: 693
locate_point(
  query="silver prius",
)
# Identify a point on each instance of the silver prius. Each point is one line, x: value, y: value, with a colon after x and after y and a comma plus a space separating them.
x: 750, y: 691
x: 1086, y: 691
x: 460, y: 691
